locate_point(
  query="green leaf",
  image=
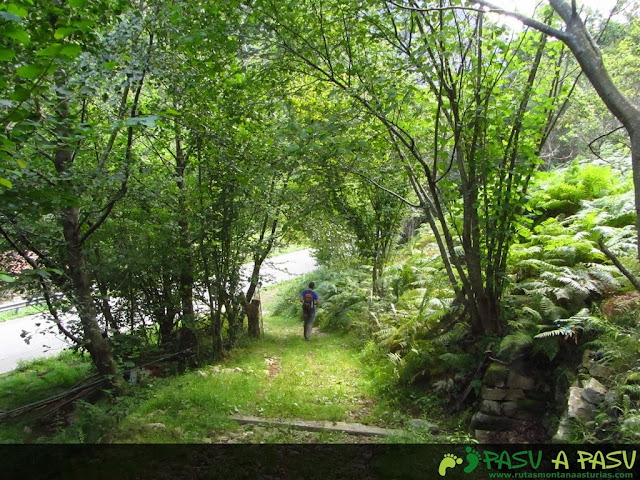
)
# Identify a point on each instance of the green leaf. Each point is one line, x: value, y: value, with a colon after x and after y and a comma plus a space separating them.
x: 6, y: 278
x: 17, y: 10
x: 78, y: 3
x: 149, y: 121
x: 6, y: 54
x: 30, y: 72
x: 52, y: 50
x: 63, y: 32
x: 110, y: 65
x: 292, y: 148
x: 20, y: 94
x: 18, y: 35
x: 84, y: 24
x: 6, y: 183
x: 71, y: 51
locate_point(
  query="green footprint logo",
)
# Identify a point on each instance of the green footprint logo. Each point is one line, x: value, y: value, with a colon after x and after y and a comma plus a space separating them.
x: 449, y: 461
x: 473, y: 458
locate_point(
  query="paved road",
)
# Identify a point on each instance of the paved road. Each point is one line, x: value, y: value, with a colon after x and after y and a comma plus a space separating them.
x: 284, y: 267
x: 43, y: 343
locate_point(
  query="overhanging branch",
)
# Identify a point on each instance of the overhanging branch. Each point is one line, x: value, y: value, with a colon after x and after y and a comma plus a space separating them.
x: 385, y: 189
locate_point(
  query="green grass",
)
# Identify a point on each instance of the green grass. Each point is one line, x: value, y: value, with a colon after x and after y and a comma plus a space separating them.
x: 21, y: 312
x: 279, y: 376
x: 33, y: 381
x: 41, y: 378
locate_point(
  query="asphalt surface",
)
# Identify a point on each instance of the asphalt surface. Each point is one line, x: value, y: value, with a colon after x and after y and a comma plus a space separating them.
x: 45, y: 341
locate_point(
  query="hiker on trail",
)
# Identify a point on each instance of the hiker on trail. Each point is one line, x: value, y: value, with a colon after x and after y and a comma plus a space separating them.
x: 309, y: 300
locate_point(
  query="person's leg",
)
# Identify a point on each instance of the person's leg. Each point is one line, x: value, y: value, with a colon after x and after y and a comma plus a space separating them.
x: 308, y: 325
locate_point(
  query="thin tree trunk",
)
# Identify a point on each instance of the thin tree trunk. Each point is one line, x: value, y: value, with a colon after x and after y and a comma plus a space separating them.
x: 186, y: 257
x: 588, y: 55
x: 97, y: 346
x: 110, y: 321
x: 75, y: 262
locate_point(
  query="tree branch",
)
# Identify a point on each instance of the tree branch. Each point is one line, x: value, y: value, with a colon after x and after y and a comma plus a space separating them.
x: 621, y: 127
x: 377, y: 185
x: 528, y: 21
x: 435, y: 9
x: 609, y: 254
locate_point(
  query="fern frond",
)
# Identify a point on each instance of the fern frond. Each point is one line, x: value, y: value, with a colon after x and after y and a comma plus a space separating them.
x: 563, y: 331
x: 532, y: 313
x: 515, y: 342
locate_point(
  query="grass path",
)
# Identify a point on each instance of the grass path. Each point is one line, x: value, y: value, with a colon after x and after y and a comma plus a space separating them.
x: 279, y: 376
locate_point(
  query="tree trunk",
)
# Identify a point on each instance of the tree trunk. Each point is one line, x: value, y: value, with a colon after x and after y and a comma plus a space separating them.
x: 97, y: 346
x: 110, y: 321
x: 253, y: 318
x: 589, y: 57
x: 186, y: 257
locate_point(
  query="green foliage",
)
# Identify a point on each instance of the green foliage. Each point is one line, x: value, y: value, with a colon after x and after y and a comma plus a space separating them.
x: 557, y: 268
x: 343, y: 298
x: 562, y: 191
x: 40, y: 378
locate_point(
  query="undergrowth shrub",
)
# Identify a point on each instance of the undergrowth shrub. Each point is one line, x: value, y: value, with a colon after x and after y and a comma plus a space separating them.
x: 343, y: 297
x: 562, y: 191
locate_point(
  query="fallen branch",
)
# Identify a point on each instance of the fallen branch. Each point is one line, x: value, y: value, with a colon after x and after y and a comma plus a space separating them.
x: 609, y: 254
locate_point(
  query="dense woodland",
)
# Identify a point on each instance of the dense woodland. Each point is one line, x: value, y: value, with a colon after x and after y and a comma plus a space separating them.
x: 470, y: 186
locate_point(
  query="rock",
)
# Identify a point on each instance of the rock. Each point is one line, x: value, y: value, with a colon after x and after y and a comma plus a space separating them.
x: 490, y: 407
x: 633, y: 379
x: 421, y: 424
x: 177, y: 432
x: 27, y: 431
x: 157, y: 426
x: 482, y: 421
x: 594, y: 392
x: 488, y: 393
x: 517, y: 381
x: 586, y: 358
x: 207, y: 440
x: 631, y: 425
x: 496, y: 375
x: 562, y: 434
x: 514, y: 394
x: 611, y: 398
x: 201, y: 373
x: 484, y: 436
x: 528, y: 409
x: 601, y: 371
x: 510, y: 409
x: 577, y: 407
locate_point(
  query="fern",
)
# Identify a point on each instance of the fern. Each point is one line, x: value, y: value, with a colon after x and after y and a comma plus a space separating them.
x: 566, y: 332
x: 631, y: 390
x: 457, y: 361
x: 515, y: 342
x: 580, y: 321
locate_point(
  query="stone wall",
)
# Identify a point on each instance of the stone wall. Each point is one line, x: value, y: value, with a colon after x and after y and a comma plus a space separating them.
x: 509, y: 402
x: 586, y: 395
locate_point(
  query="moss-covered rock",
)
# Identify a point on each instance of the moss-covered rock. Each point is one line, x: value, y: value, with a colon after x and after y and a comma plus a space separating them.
x: 496, y: 375
x: 633, y: 379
